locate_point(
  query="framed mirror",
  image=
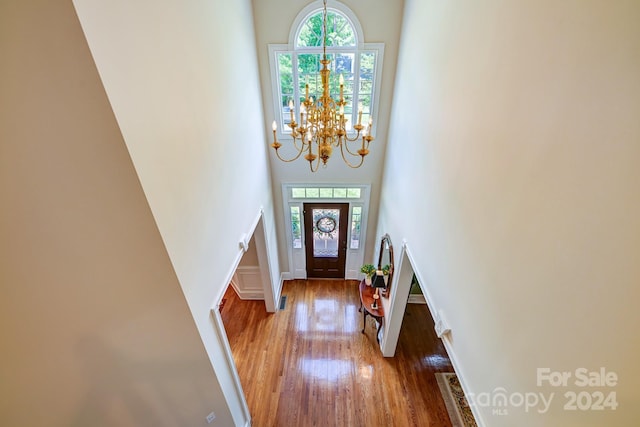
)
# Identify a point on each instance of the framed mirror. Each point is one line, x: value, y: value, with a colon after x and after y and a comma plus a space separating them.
x: 385, y: 263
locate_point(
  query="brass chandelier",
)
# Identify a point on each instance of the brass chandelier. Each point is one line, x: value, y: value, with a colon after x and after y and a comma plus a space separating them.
x: 322, y: 122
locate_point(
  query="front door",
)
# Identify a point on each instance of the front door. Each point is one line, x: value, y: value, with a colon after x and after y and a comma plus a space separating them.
x: 325, y: 230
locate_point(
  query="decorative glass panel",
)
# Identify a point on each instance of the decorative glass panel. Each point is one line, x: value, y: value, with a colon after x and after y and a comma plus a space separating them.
x: 356, y: 221
x: 326, y: 223
x: 295, y: 227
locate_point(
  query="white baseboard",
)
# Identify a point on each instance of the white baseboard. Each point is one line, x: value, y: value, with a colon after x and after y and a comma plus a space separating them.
x: 417, y: 299
x: 456, y: 367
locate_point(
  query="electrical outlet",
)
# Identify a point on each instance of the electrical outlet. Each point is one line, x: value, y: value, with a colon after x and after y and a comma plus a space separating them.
x: 211, y: 417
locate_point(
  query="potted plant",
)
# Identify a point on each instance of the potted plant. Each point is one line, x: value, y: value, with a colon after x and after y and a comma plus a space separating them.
x: 369, y: 270
x: 386, y: 269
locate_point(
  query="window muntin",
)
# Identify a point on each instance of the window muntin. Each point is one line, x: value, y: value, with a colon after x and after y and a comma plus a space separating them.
x: 298, y: 64
x: 340, y: 32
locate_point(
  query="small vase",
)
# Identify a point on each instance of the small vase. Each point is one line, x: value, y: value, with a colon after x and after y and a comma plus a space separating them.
x: 367, y: 280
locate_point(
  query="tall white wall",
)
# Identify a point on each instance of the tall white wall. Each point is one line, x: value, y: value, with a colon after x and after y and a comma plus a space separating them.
x: 512, y: 173
x: 94, y: 328
x: 182, y: 79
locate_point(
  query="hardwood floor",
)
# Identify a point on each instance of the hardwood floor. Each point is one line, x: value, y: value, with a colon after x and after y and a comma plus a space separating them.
x: 310, y: 365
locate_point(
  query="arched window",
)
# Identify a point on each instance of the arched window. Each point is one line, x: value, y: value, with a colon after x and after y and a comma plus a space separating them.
x: 297, y: 63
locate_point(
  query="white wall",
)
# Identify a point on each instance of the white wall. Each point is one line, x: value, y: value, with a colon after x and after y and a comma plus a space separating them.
x: 381, y: 22
x: 182, y: 79
x: 94, y: 327
x: 513, y: 175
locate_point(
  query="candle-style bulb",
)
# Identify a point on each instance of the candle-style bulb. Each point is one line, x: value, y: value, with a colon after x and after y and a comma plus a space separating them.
x: 276, y: 144
x: 341, y: 80
x: 291, y: 111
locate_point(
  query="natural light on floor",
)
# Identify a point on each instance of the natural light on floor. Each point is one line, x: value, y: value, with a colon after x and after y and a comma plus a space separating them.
x: 326, y: 369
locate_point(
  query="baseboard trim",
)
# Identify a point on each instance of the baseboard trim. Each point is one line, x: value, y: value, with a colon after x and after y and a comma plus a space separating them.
x: 417, y: 299
x: 457, y: 369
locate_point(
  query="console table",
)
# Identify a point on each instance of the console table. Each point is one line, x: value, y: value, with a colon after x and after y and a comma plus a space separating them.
x: 366, y: 301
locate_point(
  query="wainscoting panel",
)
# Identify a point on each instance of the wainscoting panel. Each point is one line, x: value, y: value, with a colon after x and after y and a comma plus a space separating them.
x: 247, y: 283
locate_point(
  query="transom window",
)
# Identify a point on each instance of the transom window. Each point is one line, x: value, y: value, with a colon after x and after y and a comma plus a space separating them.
x: 325, y: 193
x: 297, y: 64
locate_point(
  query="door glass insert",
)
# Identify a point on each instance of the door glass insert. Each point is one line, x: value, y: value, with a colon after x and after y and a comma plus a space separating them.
x: 326, y: 224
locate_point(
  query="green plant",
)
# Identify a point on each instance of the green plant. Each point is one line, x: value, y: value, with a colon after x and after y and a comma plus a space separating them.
x: 386, y: 269
x: 368, y: 269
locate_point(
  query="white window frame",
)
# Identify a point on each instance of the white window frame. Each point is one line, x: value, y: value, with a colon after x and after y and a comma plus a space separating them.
x: 358, y: 49
x: 297, y: 256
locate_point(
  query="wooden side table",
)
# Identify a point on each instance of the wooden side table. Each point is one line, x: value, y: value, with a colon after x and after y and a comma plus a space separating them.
x: 366, y: 301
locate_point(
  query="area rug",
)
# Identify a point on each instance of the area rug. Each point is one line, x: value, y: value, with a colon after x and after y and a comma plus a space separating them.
x: 457, y: 405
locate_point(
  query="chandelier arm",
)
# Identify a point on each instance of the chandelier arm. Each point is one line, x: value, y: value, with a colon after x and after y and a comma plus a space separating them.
x: 317, y: 165
x: 300, y: 151
x: 347, y: 161
x: 346, y: 145
x: 356, y: 137
x: 295, y: 144
x: 317, y: 160
x: 322, y: 122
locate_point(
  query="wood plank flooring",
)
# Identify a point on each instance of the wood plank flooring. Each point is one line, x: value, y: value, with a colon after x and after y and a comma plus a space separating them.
x: 310, y: 365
